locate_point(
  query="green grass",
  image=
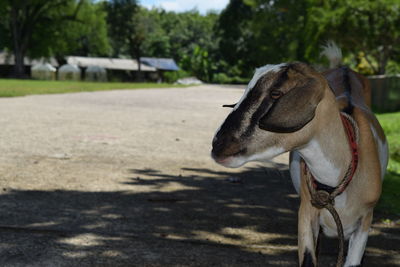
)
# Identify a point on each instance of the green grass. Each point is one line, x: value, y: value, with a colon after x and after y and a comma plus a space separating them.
x: 390, y: 199
x: 12, y: 88
x: 389, y: 202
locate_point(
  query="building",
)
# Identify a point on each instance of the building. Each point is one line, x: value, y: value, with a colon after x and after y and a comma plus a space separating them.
x: 152, y: 68
x: 117, y: 68
x: 121, y: 69
x: 161, y: 64
x: 7, y: 63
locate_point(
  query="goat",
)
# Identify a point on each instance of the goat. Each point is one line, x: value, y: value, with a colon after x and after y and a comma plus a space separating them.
x: 290, y: 107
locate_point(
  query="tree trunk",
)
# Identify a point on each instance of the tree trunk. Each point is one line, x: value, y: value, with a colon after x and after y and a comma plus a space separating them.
x: 139, y: 64
x: 19, y: 66
x: 18, y: 39
x: 140, y: 73
x: 136, y: 53
x: 23, y: 20
x: 383, y: 60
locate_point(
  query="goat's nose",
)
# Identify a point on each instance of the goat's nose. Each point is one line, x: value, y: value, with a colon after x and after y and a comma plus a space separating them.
x: 224, y: 146
x: 217, y: 146
x: 217, y: 142
x: 221, y: 140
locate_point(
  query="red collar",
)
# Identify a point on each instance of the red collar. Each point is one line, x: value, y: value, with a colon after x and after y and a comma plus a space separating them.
x: 352, y: 138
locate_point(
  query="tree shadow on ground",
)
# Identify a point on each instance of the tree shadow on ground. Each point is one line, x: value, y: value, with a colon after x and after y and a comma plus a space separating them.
x: 199, y: 218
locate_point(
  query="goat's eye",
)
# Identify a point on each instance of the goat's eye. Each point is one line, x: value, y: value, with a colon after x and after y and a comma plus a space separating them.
x: 275, y: 94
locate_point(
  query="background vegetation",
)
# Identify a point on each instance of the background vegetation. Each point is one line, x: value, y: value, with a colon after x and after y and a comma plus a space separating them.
x: 390, y: 200
x: 221, y: 48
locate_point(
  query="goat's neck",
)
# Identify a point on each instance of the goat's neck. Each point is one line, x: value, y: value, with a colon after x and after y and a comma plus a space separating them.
x: 327, y: 154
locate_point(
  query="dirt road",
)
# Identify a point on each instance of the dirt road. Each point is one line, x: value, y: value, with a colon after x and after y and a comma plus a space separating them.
x: 124, y: 178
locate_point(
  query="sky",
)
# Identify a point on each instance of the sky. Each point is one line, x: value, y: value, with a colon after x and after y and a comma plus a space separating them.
x: 184, y: 5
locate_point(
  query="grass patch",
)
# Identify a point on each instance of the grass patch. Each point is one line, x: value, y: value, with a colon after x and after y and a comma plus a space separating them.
x: 12, y: 88
x: 389, y: 202
x: 390, y: 199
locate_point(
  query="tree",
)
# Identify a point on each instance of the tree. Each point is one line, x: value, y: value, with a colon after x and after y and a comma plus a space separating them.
x: 190, y: 29
x: 278, y: 28
x: 258, y: 32
x: 235, y: 35
x: 23, y: 18
x: 185, y: 37
x: 138, y: 36
x: 127, y: 28
x: 85, y: 36
x: 199, y: 64
x: 370, y: 27
x: 176, y: 35
x: 157, y: 41
x: 120, y: 22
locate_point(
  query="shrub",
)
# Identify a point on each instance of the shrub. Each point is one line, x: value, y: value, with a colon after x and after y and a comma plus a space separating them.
x: 173, y: 76
x: 222, y: 78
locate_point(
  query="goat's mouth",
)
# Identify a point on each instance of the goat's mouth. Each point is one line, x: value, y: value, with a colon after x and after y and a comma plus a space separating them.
x: 233, y: 160
x: 223, y: 161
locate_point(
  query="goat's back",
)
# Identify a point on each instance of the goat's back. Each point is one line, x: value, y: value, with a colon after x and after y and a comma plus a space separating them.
x: 349, y: 87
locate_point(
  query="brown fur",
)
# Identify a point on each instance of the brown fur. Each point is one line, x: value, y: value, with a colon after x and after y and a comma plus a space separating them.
x: 243, y: 138
x: 365, y: 188
x: 362, y: 93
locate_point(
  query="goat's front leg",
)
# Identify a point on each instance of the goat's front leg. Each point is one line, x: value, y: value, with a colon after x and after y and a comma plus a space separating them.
x: 358, y: 241
x: 308, y: 230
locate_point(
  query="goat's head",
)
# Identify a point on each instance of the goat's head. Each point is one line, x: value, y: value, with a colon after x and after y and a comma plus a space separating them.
x: 274, y: 115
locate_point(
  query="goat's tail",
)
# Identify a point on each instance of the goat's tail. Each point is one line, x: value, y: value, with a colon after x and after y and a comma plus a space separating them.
x: 333, y: 53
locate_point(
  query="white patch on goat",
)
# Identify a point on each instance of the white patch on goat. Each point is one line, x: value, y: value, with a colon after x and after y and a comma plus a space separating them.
x: 257, y: 75
x: 264, y: 70
x: 237, y: 161
x: 320, y: 166
x: 295, y: 172
x: 267, y: 154
x: 329, y: 227
x: 233, y: 162
x: 340, y: 201
x: 382, y: 152
x: 357, y: 243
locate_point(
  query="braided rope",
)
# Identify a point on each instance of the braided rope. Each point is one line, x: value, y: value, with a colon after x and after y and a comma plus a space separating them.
x: 353, y: 138
x: 321, y: 199
x: 354, y: 124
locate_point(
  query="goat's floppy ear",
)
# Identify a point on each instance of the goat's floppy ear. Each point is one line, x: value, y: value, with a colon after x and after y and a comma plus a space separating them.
x: 292, y: 111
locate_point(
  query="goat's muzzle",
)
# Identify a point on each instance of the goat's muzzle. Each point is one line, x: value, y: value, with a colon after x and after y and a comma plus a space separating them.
x: 225, y: 147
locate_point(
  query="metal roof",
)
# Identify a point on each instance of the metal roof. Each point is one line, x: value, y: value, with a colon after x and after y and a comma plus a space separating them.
x: 160, y: 63
x: 148, y: 63
x: 8, y: 59
x: 108, y: 63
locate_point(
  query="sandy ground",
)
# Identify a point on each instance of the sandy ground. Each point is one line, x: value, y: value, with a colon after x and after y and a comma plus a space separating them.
x: 124, y: 178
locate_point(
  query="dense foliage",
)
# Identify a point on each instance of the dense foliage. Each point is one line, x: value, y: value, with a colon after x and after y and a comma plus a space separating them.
x: 223, y: 48
x: 390, y: 201
x: 368, y: 30
x: 41, y: 28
